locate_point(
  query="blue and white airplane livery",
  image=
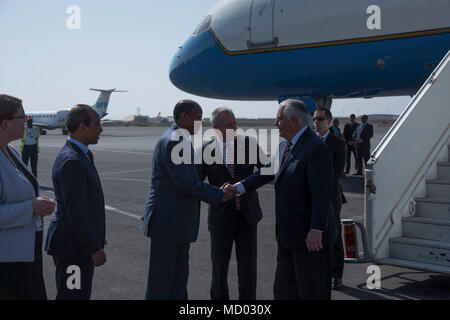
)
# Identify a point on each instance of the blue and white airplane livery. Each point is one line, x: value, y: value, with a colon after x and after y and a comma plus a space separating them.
x: 57, y: 119
x: 319, y: 49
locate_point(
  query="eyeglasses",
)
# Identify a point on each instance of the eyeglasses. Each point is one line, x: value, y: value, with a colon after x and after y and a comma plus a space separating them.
x: 319, y: 118
x: 19, y: 117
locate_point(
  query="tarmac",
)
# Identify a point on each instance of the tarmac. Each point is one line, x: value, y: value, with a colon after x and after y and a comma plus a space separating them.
x: 123, y: 160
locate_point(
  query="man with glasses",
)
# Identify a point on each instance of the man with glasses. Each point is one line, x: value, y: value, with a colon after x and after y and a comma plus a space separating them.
x: 322, y: 119
x: 29, y: 145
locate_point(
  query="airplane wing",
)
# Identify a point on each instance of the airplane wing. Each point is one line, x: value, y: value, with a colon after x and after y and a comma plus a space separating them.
x: 41, y: 126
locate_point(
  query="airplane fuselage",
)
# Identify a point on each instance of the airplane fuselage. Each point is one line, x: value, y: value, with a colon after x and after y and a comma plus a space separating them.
x: 57, y: 119
x: 264, y: 50
x: 49, y: 120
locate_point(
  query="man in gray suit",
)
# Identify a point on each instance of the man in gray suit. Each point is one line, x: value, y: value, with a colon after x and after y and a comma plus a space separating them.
x: 172, y: 212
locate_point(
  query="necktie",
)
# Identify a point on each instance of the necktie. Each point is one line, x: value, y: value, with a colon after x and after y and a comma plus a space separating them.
x: 91, y: 156
x: 286, y: 151
x: 230, y: 167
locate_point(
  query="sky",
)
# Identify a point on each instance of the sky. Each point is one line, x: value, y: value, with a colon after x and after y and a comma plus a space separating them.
x: 120, y: 44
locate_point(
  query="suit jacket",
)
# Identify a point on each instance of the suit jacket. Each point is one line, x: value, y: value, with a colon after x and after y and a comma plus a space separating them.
x: 302, y: 192
x: 172, y: 211
x: 338, y: 155
x: 17, y: 222
x: 332, y: 128
x: 349, y: 132
x: 365, y: 135
x: 221, y: 214
x: 77, y: 229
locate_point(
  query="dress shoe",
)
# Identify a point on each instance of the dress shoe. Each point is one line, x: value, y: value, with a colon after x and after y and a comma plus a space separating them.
x: 336, y: 284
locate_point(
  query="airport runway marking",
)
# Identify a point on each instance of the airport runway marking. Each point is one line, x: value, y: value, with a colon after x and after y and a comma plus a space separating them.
x: 101, y: 149
x: 109, y: 208
x: 128, y: 152
x: 126, y: 179
x: 127, y: 171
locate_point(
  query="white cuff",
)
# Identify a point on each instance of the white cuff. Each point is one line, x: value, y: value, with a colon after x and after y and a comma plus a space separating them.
x: 241, y: 189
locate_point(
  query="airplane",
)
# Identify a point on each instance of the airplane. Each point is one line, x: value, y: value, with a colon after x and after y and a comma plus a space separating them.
x: 313, y: 50
x: 57, y: 119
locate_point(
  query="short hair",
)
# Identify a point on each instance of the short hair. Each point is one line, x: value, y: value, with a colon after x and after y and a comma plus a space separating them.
x: 327, y: 112
x: 78, y: 115
x: 294, y: 107
x: 352, y: 115
x: 8, y: 106
x: 187, y: 106
x: 364, y: 116
x: 217, y: 112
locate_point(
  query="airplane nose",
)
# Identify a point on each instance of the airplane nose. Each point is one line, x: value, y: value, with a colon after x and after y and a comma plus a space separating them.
x: 189, y: 67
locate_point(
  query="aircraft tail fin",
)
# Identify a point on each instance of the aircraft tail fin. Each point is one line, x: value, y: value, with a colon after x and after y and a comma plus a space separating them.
x: 101, y: 106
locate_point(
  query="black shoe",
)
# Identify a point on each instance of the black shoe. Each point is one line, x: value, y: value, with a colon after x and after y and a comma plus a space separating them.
x: 336, y: 284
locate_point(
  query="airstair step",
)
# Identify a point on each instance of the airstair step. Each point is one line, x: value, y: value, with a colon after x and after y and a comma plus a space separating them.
x: 439, y: 188
x: 413, y: 265
x: 426, y: 228
x: 443, y: 170
x: 433, y: 208
x: 420, y: 250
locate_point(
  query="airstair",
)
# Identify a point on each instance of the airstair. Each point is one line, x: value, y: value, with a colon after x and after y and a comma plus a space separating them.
x: 408, y: 219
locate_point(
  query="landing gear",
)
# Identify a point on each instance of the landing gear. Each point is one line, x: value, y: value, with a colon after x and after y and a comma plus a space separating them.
x: 64, y: 131
x: 42, y: 132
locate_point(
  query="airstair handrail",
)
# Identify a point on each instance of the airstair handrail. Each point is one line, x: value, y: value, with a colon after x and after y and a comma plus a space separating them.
x: 380, y: 214
x: 431, y: 79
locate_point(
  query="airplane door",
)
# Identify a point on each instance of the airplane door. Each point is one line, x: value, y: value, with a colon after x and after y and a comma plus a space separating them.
x: 261, y: 25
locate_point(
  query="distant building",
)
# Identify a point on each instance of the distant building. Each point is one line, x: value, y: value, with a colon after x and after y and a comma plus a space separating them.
x: 137, y: 119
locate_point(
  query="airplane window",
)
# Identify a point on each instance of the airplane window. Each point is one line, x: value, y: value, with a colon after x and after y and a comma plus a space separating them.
x: 204, y: 25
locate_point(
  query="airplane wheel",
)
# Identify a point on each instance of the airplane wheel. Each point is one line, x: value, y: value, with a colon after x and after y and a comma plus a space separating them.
x: 65, y: 132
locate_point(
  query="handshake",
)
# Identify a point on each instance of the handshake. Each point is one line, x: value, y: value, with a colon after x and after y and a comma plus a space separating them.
x: 229, y: 191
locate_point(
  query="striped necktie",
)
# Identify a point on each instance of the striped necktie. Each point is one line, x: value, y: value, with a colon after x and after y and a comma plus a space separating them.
x: 286, y: 151
x: 230, y: 167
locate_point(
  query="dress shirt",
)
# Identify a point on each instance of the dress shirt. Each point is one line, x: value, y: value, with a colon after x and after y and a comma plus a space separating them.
x: 240, y: 187
x: 325, y: 136
x: 360, y: 129
x: 223, y: 148
x: 81, y: 146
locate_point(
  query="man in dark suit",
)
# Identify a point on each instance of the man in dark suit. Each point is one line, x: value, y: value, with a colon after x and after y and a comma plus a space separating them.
x: 76, y: 235
x: 334, y: 129
x: 362, y: 137
x: 172, y: 211
x: 236, y: 220
x: 322, y: 119
x: 349, y: 132
x: 305, y: 224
